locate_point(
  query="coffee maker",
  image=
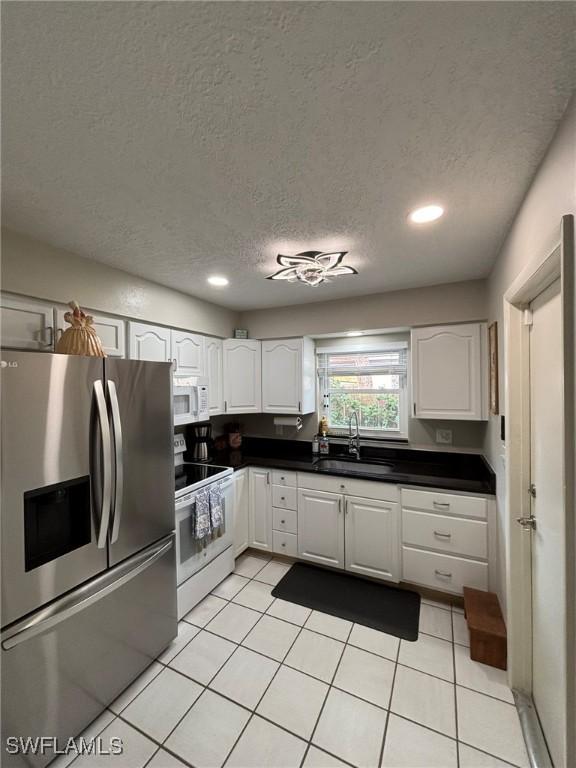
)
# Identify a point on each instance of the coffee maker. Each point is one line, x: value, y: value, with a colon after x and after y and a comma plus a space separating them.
x: 201, y: 435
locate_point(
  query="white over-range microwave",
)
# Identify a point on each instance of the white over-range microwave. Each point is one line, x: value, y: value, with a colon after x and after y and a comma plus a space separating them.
x: 190, y: 399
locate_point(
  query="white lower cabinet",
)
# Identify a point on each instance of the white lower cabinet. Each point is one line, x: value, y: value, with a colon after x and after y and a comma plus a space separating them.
x: 444, y: 572
x: 260, y: 509
x: 321, y: 527
x: 448, y: 540
x: 241, y: 506
x: 372, y: 534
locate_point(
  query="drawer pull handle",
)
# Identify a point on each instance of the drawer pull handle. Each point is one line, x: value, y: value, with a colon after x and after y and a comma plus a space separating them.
x: 282, y: 478
x: 283, y: 543
x: 282, y: 498
x: 282, y: 521
x: 442, y: 535
x: 441, y: 505
x: 443, y: 574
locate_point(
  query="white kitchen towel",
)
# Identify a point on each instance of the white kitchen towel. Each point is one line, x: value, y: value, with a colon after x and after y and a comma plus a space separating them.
x: 216, y: 506
x: 202, y: 526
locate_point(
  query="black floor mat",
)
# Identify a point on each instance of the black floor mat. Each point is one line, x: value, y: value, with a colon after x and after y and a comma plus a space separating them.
x: 391, y: 610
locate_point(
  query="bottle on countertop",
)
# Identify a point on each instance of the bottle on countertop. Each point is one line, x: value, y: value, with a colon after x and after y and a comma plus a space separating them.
x: 324, y: 444
x: 315, y: 445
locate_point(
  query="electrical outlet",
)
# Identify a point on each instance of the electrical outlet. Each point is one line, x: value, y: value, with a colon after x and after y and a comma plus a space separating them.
x: 444, y: 436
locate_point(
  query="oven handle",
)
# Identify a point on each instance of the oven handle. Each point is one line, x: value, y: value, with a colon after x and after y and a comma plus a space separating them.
x: 85, y: 596
x: 119, y: 460
x: 106, y: 487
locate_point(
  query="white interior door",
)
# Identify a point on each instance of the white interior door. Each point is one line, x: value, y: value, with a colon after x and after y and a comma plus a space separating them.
x: 548, y: 537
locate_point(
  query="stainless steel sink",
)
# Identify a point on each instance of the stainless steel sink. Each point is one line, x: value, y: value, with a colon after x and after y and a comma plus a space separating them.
x: 353, y: 467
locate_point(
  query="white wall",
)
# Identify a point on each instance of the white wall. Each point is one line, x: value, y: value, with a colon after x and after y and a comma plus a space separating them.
x: 432, y: 305
x: 535, y: 232
x: 34, y: 268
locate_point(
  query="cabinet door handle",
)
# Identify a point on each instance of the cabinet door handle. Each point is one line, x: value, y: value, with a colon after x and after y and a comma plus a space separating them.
x: 299, y: 405
x: 443, y: 574
x: 225, y: 406
x: 441, y: 505
x: 283, y: 543
x: 282, y: 498
x: 340, y: 505
x: 414, y: 409
x: 283, y: 522
x: 345, y: 506
x: 267, y: 478
x: 441, y: 535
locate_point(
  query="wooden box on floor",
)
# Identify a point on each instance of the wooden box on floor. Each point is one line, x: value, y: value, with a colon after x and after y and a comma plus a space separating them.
x: 486, y: 627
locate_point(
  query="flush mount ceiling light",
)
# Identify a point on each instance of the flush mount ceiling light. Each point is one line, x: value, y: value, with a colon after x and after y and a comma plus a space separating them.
x: 218, y: 281
x: 426, y: 214
x: 354, y: 333
x: 312, y: 267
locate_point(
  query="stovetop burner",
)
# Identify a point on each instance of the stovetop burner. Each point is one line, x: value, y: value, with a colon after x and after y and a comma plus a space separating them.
x: 189, y: 474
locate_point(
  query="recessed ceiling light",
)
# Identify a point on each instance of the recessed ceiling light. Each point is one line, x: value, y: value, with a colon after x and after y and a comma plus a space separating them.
x: 354, y: 333
x: 426, y: 214
x: 218, y: 281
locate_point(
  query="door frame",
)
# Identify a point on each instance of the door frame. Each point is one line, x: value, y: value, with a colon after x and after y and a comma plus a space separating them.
x: 536, y: 277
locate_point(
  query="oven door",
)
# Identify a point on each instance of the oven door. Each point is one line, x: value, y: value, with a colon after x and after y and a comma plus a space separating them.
x: 192, y: 555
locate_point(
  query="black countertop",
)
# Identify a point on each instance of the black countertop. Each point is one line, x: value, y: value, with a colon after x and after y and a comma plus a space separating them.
x: 403, y: 466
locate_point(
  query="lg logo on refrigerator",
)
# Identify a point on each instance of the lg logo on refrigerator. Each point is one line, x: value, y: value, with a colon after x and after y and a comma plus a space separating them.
x: 8, y: 364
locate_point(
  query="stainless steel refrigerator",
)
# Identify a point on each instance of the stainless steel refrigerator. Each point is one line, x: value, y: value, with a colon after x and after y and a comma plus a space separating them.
x: 87, y: 521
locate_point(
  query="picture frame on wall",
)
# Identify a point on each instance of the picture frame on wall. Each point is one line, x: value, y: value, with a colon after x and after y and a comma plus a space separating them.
x: 493, y: 358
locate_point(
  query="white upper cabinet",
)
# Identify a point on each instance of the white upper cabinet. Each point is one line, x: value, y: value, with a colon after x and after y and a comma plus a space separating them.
x: 149, y: 342
x: 111, y: 331
x: 448, y: 372
x: 372, y: 538
x: 188, y: 353
x: 288, y: 376
x: 242, y: 376
x: 27, y: 324
x: 215, y: 373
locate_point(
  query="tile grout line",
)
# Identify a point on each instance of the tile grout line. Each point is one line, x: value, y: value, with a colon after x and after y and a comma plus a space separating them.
x: 253, y: 712
x: 381, y: 756
x: 330, y: 685
x: 455, y: 693
x: 259, y: 700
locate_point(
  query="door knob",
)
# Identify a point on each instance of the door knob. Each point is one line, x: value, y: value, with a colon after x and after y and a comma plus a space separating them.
x: 527, y: 523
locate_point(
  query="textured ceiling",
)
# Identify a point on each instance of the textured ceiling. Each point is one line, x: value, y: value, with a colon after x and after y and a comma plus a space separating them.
x: 178, y: 140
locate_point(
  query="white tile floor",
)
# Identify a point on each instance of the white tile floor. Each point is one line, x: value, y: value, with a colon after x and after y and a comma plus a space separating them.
x: 254, y: 682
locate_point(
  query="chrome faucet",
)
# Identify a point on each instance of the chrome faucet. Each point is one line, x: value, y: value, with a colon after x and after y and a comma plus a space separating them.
x: 354, y: 440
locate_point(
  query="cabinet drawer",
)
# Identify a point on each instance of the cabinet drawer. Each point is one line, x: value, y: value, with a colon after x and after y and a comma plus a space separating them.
x: 449, y: 534
x: 443, y: 572
x: 446, y: 503
x: 284, y: 477
x: 285, y: 543
x: 284, y: 496
x: 285, y: 520
x: 366, y: 489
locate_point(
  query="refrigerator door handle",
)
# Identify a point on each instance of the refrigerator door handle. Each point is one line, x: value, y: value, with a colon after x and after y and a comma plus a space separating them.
x: 106, y: 499
x: 85, y: 596
x: 119, y: 460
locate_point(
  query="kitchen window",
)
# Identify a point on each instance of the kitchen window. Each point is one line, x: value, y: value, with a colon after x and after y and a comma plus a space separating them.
x: 371, y: 382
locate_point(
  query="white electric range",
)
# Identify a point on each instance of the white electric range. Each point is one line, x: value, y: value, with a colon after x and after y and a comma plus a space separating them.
x: 200, y: 565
